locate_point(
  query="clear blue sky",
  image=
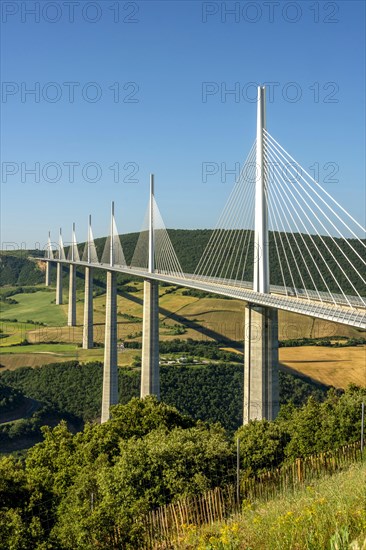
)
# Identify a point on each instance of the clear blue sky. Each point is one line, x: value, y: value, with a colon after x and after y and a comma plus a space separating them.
x: 170, y: 50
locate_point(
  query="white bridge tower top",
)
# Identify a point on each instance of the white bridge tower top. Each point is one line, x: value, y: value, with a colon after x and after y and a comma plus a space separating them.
x: 261, y: 267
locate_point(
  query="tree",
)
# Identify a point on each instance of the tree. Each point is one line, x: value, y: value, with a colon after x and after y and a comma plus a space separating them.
x: 161, y: 466
x: 262, y: 445
x: 12, y: 483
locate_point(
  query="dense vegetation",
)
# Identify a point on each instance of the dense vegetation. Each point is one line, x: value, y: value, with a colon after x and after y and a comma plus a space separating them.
x: 334, y: 342
x: 21, y: 418
x: 25, y: 432
x: 10, y: 398
x: 93, y: 488
x: 211, y: 392
x: 209, y: 349
x: 19, y: 270
x: 190, y: 245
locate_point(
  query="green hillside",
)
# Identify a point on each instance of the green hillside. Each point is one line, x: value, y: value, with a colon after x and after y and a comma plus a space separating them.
x: 211, y: 392
x: 19, y: 270
x: 22, y: 417
x: 10, y: 399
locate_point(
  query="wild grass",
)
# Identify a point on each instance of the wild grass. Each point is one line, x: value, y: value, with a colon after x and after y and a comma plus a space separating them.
x: 327, y: 514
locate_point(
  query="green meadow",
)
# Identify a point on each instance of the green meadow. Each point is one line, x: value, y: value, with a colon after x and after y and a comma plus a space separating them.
x: 39, y: 306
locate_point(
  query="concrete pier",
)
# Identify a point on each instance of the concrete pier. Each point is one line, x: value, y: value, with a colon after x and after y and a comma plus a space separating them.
x: 71, y: 319
x: 59, y: 298
x: 110, y: 371
x: 150, y: 378
x: 48, y: 274
x: 88, y: 309
x: 261, y: 386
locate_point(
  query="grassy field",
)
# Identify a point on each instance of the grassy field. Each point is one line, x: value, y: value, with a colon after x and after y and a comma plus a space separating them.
x: 180, y: 316
x: 16, y: 360
x: 203, y: 318
x: 14, y: 333
x: 56, y: 349
x: 38, y: 306
x: 329, y: 514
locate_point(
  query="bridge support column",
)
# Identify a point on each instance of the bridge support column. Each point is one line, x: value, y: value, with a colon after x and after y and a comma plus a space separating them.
x: 88, y: 309
x: 150, y: 375
x: 110, y: 372
x: 59, y: 284
x: 48, y: 274
x: 71, y: 320
x: 261, y: 386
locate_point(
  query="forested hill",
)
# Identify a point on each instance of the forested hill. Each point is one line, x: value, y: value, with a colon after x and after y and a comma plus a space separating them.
x: 190, y: 245
x: 17, y: 269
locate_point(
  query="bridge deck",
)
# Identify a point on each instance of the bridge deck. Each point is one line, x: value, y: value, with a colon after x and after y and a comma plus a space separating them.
x: 353, y: 315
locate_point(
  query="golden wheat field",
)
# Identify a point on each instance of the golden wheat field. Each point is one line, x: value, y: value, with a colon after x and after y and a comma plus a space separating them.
x: 332, y: 366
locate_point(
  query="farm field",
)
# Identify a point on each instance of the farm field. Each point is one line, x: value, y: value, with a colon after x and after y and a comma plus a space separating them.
x: 331, y: 366
x: 204, y: 318
x: 16, y: 359
x: 181, y: 316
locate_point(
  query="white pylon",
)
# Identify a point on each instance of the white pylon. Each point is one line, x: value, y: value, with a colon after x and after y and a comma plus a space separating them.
x: 111, y: 244
x: 61, y: 253
x: 151, y: 227
x: 49, y: 247
x: 73, y: 239
x: 89, y: 239
x: 261, y: 271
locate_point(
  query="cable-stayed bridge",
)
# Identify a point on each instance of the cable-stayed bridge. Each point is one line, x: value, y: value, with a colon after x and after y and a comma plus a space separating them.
x: 277, y: 219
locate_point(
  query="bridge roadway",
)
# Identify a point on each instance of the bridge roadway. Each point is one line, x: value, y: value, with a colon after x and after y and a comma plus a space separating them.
x: 354, y: 316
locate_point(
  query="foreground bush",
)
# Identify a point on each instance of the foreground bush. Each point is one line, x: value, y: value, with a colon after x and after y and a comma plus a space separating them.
x: 92, y: 489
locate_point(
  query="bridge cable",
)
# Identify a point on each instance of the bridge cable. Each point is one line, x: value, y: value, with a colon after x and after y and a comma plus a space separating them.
x: 242, y: 213
x: 90, y: 245
x: 226, y: 232
x: 310, y: 236
x: 329, y: 234
x: 167, y: 249
x: 322, y: 189
x: 270, y: 216
x: 210, y: 253
x: 277, y: 180
x: 318, y: 195
x: 327, y: 247
x: 140, y: 258
x: 320, y: 237
x: 281, y: 230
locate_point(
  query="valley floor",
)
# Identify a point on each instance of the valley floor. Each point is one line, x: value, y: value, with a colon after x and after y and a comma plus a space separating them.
x: 33, y: 332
